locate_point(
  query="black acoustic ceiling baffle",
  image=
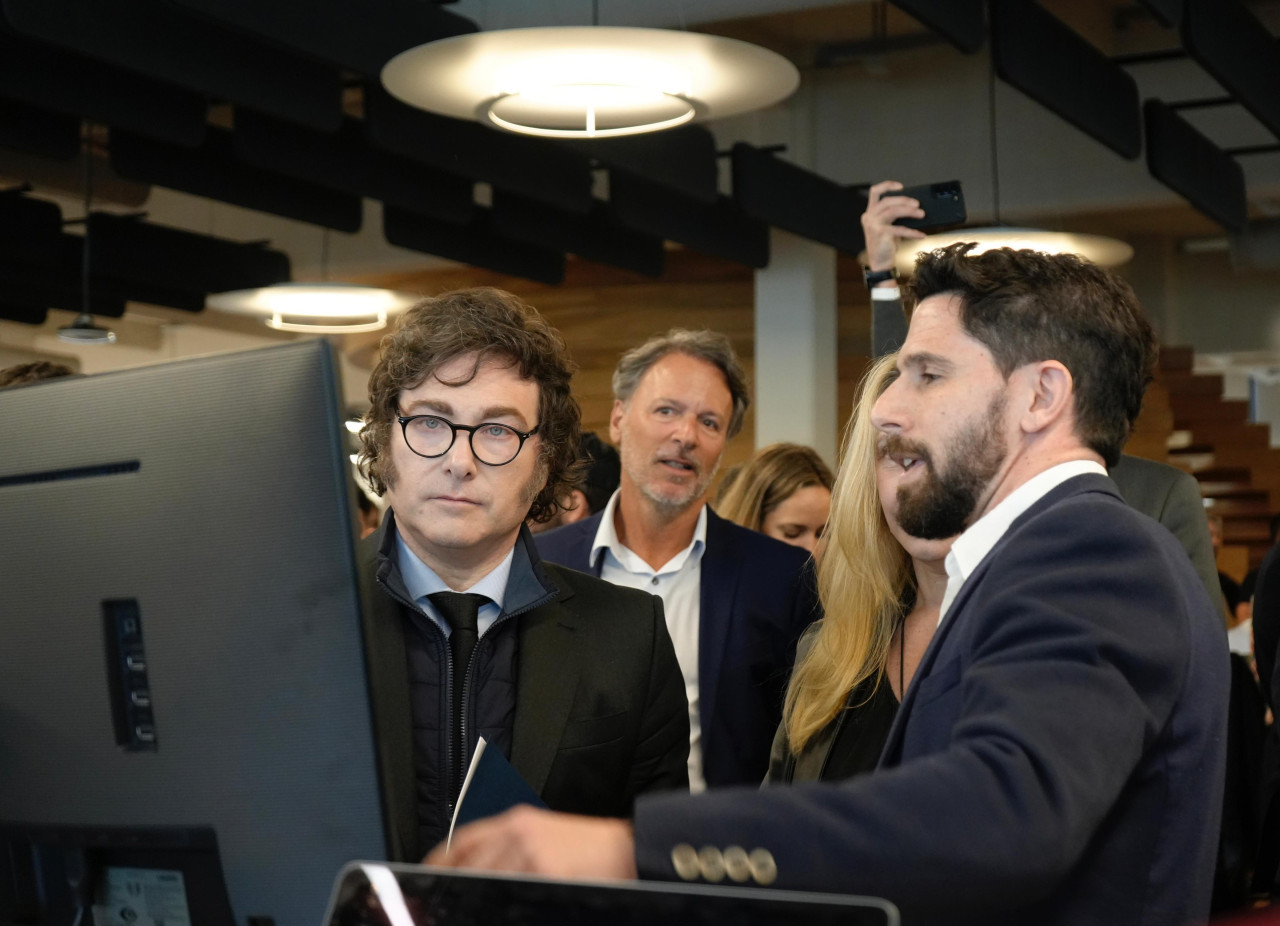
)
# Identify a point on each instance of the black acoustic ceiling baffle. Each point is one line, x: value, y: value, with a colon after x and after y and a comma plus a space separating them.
x: 1054, y: 66
x: 1257, y: 246
x: 345, y: 161
x: 1190, y: 164
x: 76, y: 86
x: 720, y: 230
x: 1168, y: 12
x: 532, y: 167
x: 66, y: 178
x: 164, y: 42
x: 129, y: 249
x: 107, y: 285
x: 476, y: 244
x: 682, y: 159
x: 326, y: 30
x: 773, y: 191
x: 30, y: 230
x: 960, y: 22
x: 26, y: 314
x: 1229, y: 42
x: 56, y: 287
x: 595, y: 236
x: 38, y: 131
x: 212, y: 170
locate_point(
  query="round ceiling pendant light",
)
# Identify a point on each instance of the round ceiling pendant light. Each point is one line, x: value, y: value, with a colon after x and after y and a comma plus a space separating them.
x: 316, y: 308
x: 589, y: 81
x: 1099, y: 249
x: 84, y: 331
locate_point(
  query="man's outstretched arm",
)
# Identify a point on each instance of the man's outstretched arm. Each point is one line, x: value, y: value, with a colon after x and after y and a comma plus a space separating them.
x: 541, y: 842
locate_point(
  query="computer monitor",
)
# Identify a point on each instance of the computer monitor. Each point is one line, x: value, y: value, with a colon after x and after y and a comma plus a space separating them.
x: 371, y: 894
x: 185, y: 728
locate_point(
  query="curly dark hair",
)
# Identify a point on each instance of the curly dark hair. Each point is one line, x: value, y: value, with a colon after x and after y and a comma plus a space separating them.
x: 33, y: 372
x: 1026, y: 306
x: 489, y: 323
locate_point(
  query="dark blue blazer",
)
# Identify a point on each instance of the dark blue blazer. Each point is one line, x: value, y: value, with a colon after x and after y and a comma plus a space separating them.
x: 1058, y: 757
x: 758, y: 595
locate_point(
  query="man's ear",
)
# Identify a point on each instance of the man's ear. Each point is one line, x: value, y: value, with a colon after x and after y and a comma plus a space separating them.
x: 576, y: 508
x: 1048, y: 395
x: 615, y: 420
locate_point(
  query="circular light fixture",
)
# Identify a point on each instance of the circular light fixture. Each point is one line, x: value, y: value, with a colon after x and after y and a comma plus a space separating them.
x: 84, y: 331
x: 1103, y: 251
x: 589, y: 81
x: 316, y: 308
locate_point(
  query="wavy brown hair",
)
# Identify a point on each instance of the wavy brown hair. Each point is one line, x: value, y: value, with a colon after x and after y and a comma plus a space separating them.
x: 492, y: 325
x: 1025, y: 306
x: 772, y: 475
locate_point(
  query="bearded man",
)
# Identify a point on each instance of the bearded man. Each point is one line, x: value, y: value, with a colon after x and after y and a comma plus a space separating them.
x: 735, y: 601
x: 1058, y: 757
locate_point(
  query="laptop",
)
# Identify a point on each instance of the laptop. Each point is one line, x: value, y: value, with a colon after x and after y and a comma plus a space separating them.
x: 378, y: 894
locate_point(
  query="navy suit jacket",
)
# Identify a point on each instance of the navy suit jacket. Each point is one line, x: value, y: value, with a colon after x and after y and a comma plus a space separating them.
x: 1058, y: 757
x: 758, y: 595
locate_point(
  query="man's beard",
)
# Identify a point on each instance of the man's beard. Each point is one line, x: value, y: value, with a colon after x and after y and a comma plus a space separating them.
x: 674, y: 500
x: 672, y: 504
x: 941, y: 505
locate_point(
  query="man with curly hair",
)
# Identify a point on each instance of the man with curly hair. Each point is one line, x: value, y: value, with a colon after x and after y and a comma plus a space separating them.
x: 471, y: 430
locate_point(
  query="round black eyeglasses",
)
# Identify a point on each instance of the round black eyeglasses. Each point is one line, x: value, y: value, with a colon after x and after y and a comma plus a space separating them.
x: 492, y: 444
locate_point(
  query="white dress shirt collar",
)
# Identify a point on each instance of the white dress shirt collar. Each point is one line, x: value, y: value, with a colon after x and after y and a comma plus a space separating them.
x: 972, y: 546
x: 421, y: 581
x: 607, y: 539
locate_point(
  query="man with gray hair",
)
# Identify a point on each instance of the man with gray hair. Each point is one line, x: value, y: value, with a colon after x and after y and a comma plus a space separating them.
x: 735, y: 601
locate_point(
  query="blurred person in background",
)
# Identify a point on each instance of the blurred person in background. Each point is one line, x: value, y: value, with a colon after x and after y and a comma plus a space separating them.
x: 22, y: 373
x: 783, y: 491
x: 604, y: 471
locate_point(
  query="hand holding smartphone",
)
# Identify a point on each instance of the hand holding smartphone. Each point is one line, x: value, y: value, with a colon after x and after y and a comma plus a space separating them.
x: 943, y: 204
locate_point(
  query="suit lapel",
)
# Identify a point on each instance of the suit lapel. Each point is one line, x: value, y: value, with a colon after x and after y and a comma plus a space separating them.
x: 719, y: 582
x: 549, y: 663
x: 891, y: 753
x: 1076, y: 485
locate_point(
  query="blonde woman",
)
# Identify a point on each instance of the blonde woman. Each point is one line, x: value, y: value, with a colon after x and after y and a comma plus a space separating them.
x: 881, y: 590
x: 784, y: 491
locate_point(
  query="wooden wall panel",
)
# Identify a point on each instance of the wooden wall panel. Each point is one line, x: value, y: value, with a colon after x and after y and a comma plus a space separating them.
x: 603, y: 312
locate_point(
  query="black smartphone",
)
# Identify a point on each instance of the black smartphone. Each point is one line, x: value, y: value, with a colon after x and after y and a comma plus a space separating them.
x: 943, y: 204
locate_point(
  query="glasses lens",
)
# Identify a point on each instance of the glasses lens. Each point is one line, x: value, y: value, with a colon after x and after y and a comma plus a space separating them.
x: 495, y: 444
x: 428, y: 435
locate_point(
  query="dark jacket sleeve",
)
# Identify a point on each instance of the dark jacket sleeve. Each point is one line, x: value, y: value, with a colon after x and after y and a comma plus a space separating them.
x: 1266, y: 625
x: 1183, y: 514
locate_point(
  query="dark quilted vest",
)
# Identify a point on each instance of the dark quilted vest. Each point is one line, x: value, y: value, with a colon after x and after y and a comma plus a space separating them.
x: 491, y: 689
x: 489, y: 712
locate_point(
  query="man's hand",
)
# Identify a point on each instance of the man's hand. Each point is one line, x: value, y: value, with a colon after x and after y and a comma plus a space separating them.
x: 877, y: 223
x: 544, y: 843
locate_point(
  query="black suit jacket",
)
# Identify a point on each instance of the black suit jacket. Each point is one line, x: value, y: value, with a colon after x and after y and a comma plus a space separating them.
x: 758, y: 595
x: 1058, y: 757
x: 601, y: 716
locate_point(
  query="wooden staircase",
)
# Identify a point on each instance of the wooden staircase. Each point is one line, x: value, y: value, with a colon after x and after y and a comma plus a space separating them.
x: 1212, y: 438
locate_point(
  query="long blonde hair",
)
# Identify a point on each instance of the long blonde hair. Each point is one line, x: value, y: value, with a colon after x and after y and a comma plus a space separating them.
x: 772, y: 475
x: 862, y: 574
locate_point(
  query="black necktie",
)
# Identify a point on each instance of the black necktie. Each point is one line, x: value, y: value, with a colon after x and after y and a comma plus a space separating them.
x: 460, y: 611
